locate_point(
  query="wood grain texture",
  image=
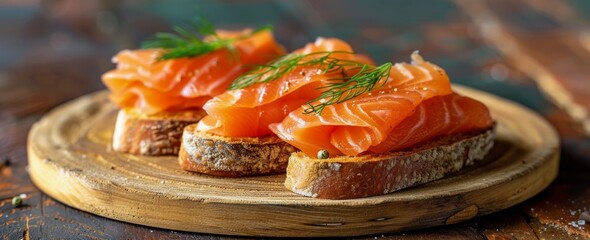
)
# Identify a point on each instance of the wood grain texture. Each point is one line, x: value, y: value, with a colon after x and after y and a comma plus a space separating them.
x: 560, y: 69
x: 35, y: 78
x: 69, y: 159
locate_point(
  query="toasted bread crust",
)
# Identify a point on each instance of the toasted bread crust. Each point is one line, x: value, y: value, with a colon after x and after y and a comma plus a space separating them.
x: 232, y: 157
x: 153, y: 135
x: 377, y: 174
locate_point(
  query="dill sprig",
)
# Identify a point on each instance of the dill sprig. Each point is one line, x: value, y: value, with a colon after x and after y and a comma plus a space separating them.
x: 339, y: 90
x: 365, y: 80
x: 277, y: 68
x: 186, y: 42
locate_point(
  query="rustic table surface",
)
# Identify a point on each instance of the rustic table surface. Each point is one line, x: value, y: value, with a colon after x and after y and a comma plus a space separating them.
x: 535, y: 52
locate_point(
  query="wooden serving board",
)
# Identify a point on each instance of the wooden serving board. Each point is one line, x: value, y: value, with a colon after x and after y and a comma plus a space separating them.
x: 71, y: 160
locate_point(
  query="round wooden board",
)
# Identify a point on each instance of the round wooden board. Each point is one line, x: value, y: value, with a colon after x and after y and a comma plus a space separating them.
x: 70, y: 159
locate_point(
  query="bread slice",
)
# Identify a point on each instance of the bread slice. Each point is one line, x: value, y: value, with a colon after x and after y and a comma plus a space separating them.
x: 232, y: 157
x: 377, y: 174
x: 154, y: 135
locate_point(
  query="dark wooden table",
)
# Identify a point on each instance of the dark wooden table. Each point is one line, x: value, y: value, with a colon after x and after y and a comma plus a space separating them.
x: 536, y: 52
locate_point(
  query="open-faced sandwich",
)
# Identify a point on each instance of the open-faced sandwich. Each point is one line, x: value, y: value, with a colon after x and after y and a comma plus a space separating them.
x: 162, y: 89
x: 234, y: 139
x: 412, y: 129
x: 345, y: 127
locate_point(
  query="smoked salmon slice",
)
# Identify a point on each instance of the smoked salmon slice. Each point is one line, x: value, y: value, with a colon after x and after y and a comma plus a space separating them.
x: 384, y: 119
x: 247, y: 112
x: 150, y: 85
x: 436, y: 117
